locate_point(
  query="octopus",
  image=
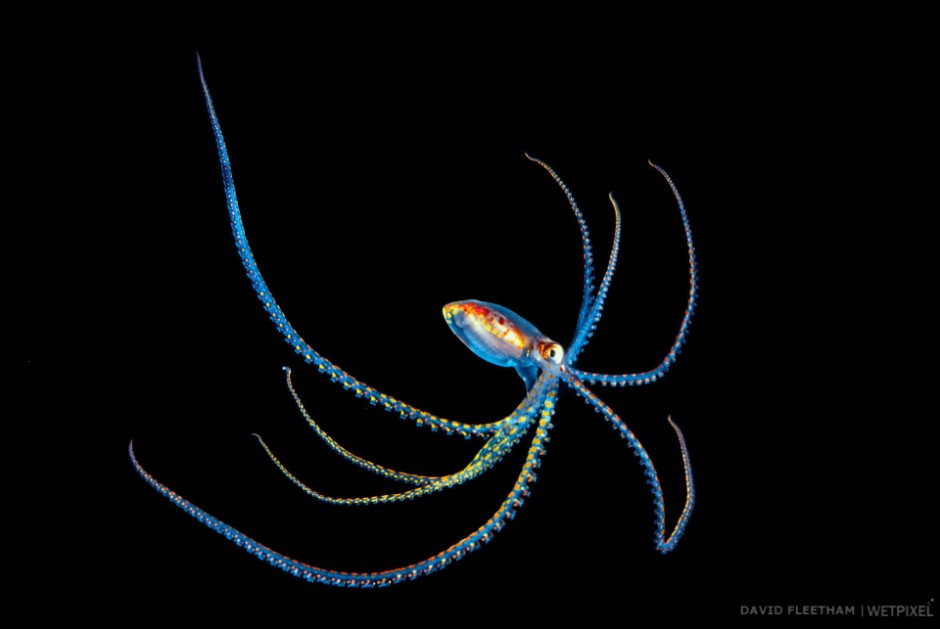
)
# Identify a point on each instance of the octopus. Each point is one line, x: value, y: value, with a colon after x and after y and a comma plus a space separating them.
x: 499, y: 336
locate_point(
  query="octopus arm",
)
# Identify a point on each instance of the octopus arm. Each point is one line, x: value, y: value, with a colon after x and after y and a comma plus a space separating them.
x: 660, y: 370
x: 586, y: 296
x: 294, y: 339
x: 488, y: 455
x: 587, y: 327
x: 455, y: 552
x: 663, y: 544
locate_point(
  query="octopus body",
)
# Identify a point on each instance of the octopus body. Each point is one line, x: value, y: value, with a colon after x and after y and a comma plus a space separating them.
x: 499, y: 336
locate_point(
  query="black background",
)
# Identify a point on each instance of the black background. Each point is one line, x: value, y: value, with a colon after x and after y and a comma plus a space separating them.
x: 384, y: 176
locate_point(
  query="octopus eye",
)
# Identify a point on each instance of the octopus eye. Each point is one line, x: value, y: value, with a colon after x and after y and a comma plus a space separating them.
x: 553, y: 353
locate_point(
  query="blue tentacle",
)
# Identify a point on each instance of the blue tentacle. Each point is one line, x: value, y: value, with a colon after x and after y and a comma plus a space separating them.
x: 662, y: 545
x: 584, y: 332
x: 492, y: 451
x: 300, y: 346
x: 624, y: 379
x: 585, y: 240
x: 489, y: 455
x: 524, y: 408
x: 654, y: 374
x: 465, y: 546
